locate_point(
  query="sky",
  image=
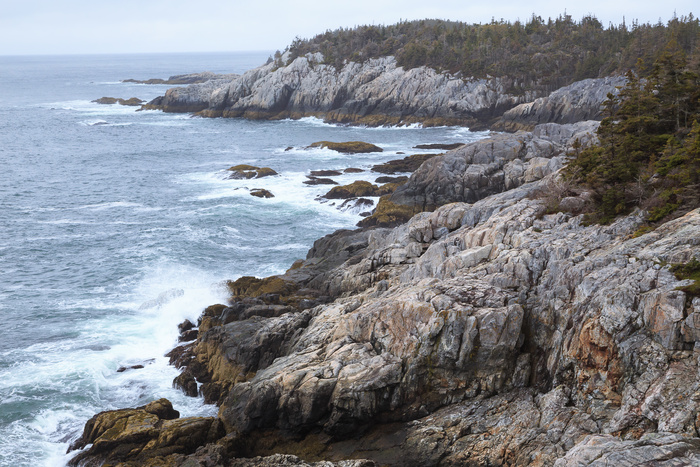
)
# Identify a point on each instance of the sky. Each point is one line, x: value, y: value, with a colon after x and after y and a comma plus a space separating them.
x: 30, y: 27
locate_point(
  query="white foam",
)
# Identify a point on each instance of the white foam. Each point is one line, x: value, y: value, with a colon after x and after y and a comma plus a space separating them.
x: 110, y: 205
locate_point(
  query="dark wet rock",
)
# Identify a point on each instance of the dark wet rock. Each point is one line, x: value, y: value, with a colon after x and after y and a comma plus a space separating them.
x: 136, y: 435
x: 325, y: 173
x: 353, y: 170
x: 185, y: 326
x: 407, y: 164
x: 357, y: 189
x: 192, y: 78
x: 246, y: 172
x: 188, y: 336
x: 356, y: 204
x: 386, y: 179
x: 133, y: 101
x: 261, y: 193
x: 319, y: 181
x: 349, y: 147
x: 439, y: 146
x: 122, y: 369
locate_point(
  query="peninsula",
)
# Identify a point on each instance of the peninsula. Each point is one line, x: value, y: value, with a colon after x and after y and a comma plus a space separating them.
x: 532, y: 298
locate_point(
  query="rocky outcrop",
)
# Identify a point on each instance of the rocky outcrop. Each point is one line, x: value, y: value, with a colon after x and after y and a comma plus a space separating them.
x: 132, y: 101
x: 485, y: 332
x: 348, y: 147
x: 376, y: 92
x: 489, y: 166
x: 142, y: 434
x: 191, y: 78
x: 579, y: 101
x: 246, y: 172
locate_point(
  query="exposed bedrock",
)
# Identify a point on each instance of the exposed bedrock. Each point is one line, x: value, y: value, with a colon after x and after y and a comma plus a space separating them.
x: 378, y: 92
x: 485, y: 332
x: 582, y: 100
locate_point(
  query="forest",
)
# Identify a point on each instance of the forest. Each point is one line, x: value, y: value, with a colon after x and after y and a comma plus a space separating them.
x: 537, y: 53
x: 649, y: 151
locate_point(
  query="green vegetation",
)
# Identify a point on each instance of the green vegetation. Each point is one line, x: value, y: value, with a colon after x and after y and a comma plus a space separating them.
x: 649, y: 151
x: 689, y: 270
x: 388, y: 214
x: 360, y: 188
x: 546, y: 54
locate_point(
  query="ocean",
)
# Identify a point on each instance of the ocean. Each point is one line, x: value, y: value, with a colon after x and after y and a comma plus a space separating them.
x: 116, y: 225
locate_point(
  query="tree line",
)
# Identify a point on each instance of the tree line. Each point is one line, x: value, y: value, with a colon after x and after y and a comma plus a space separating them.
x: 537, y: 53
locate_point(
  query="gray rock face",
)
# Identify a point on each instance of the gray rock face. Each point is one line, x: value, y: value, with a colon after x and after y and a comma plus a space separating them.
x: 579, y: 101
x: 489, y: 166
x: 484, y: 333
x: 376, y: 92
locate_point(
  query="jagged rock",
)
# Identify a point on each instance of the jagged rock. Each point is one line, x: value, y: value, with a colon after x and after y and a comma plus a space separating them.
x: 376, y: 92
x: 357, y: 189
x: 134, y: 435
x: 485, y: 332
x: 579, y: 101
x: 652, y: 449
x: 407, y: 164
x: 489, y: 166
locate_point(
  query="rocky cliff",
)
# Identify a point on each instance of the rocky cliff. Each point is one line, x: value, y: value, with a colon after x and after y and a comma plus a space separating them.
x: 378, y: 92
x: 579, y: 101
x: 490, y: 331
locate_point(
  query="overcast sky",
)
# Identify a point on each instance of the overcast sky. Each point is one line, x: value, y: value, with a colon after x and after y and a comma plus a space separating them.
x: 126, y: 26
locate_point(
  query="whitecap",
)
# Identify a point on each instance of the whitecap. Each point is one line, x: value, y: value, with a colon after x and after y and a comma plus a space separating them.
x: 110, y: 205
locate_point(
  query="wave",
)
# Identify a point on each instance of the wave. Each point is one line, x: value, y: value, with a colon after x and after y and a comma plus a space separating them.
x: 110, y: 205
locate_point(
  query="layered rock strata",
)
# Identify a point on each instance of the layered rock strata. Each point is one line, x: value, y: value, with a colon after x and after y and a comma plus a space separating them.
x: 485, y: 332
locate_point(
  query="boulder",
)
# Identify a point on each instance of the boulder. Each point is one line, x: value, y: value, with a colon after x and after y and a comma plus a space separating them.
x: 261, y: 193
x: 349, y: 147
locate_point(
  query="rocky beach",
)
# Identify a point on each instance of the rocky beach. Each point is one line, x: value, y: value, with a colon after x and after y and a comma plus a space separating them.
x: 473, y: 319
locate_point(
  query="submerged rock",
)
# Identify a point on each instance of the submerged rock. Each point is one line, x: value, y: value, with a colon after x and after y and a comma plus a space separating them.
x: 133, y: 101
x: 261, y: 193
x: 246, y: 172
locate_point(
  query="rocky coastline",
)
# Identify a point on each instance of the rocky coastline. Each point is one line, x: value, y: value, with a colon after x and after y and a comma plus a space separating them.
x: 378, y: 92
x: 473, y: 319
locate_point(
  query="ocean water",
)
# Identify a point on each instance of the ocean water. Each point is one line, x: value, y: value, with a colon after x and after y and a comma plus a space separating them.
x: 116, y: 225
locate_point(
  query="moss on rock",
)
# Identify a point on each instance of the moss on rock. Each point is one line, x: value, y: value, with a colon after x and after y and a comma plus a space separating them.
x: 388, y: 214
